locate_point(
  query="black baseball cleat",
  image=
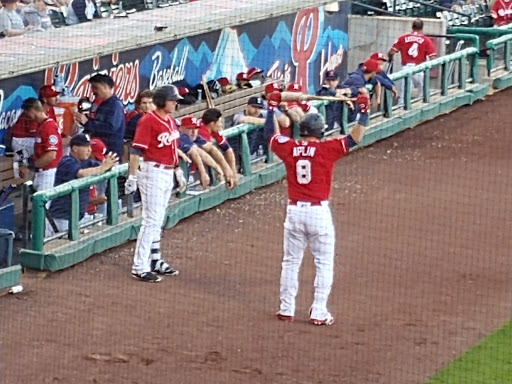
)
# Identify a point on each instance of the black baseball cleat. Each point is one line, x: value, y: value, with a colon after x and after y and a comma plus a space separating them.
x: 148, y: 277
x: 163, y: 268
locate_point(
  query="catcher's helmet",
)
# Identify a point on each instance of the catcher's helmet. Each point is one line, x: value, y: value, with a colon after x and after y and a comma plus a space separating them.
x: 312, y: 124
x: 164, y: 93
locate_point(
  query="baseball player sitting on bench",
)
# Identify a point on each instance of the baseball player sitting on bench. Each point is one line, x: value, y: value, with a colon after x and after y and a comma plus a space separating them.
x: 309, y: 164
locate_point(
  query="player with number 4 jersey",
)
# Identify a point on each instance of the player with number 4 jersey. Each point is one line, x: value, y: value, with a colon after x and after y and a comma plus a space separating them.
x: 415, y: 48
x: 309, y: 164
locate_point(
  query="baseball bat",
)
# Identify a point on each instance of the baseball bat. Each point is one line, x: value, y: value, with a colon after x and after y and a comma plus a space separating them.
x: 389, y: 69
x: 209, y: 100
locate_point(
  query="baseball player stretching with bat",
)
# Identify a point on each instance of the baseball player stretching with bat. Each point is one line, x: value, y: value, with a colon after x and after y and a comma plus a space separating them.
x: 309, y: 164
x: 156, y: 139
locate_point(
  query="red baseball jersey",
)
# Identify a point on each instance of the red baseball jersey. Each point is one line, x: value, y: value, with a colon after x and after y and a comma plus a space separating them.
x: 205, y: 134
x: 24, y: 127
x: 501, y: 11
x: 48, y: 138
x: 309, y: 165
x: 158, y: 138
x: 51, y: 113
x: 414, y: 48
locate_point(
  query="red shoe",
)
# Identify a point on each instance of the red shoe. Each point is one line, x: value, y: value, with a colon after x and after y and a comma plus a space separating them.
x: 287, y: 319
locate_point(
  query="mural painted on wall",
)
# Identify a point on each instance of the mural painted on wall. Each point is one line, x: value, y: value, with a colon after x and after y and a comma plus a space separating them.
x: 297, y: 47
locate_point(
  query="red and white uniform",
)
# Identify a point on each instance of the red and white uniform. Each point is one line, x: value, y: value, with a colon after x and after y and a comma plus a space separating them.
x: 23, y: 135
x: 309, y: 171
x: 414, y: 48
x: 205, y: 134
x: 48, y: 139
x: 501, y: 12
x: 158, y: 138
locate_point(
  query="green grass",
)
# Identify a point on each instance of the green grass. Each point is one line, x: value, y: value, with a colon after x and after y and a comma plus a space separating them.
x: 489, y: 362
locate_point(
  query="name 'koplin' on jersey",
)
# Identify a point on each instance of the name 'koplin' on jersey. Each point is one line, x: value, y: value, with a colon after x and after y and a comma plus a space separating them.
x: 309, y: 165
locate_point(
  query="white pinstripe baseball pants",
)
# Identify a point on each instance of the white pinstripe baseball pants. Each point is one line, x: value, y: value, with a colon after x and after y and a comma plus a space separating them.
x: 155, y: 186
x: 313, y: 226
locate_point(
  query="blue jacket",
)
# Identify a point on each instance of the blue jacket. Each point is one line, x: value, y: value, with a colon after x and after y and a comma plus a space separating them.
x: 109, y: 124
x: 356, y: 80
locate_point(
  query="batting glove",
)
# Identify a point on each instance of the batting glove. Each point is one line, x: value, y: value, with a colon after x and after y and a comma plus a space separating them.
x: 363, y: 101
x: 131, y: 184
x: 274, y: 100
x: 180, y: 178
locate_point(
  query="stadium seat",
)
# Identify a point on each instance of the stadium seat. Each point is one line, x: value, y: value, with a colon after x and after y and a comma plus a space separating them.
x: 57, y: 18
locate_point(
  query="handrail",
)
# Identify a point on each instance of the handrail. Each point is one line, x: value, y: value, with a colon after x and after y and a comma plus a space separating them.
x: 72, y: 187
x: 482, y: 31
x: 443, y: 62
x: 492, y: 45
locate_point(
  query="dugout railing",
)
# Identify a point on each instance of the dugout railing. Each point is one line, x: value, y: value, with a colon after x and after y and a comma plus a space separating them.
x: 119, y: 227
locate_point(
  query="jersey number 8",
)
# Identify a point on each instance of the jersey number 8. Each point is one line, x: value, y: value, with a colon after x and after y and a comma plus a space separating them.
x: 303, y: 171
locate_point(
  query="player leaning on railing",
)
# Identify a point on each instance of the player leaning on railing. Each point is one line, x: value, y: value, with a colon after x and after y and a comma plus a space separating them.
x: 309, y: 164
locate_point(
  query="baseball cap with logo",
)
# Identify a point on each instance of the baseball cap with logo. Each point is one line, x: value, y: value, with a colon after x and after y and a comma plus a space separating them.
x: 99, y: 149
x: 331, y: 75
x: 256, y: 101
x: 80, y: 140
x: 269, y: 88
x: 371, y: 66
x: 48, y: 91
x: 378, y: 56
x: 294, y: 87
x: 190, y: 122
x: 253, y: 71
x: 242, y: 77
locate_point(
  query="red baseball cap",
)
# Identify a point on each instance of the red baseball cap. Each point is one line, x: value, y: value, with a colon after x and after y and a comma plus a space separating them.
x: 242, y: 77
x: 269, y: 88
x: 182, y: 91
x: 99, y: 149
x: 223, y: 81
x: 371, y: 66
x: 48, y: 91
x: 294, y: 87
x: 378, y: 56
x: 190, y: 122
x: 253, y: 71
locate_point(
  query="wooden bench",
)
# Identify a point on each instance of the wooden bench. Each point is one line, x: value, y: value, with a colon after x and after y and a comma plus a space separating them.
x: 7, y: 178
x: 229, y: 104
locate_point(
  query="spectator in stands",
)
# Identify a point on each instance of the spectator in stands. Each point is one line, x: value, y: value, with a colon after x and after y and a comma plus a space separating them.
x: 47, y: 147
x: 36, y: 14
x: 501, y: 12
x: 211, y: 125
x: 254, y: 113
x: 77, y: 165
x: 191, y: 144
x: 11, y: 23
x: 415, y: 48
x: 109, y: 122
x: 81, y: 11
x: 454, y: 5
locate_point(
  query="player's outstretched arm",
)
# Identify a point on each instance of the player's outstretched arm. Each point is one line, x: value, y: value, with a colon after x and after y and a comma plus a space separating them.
x: 357, y: 132
x: 271, y: 125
